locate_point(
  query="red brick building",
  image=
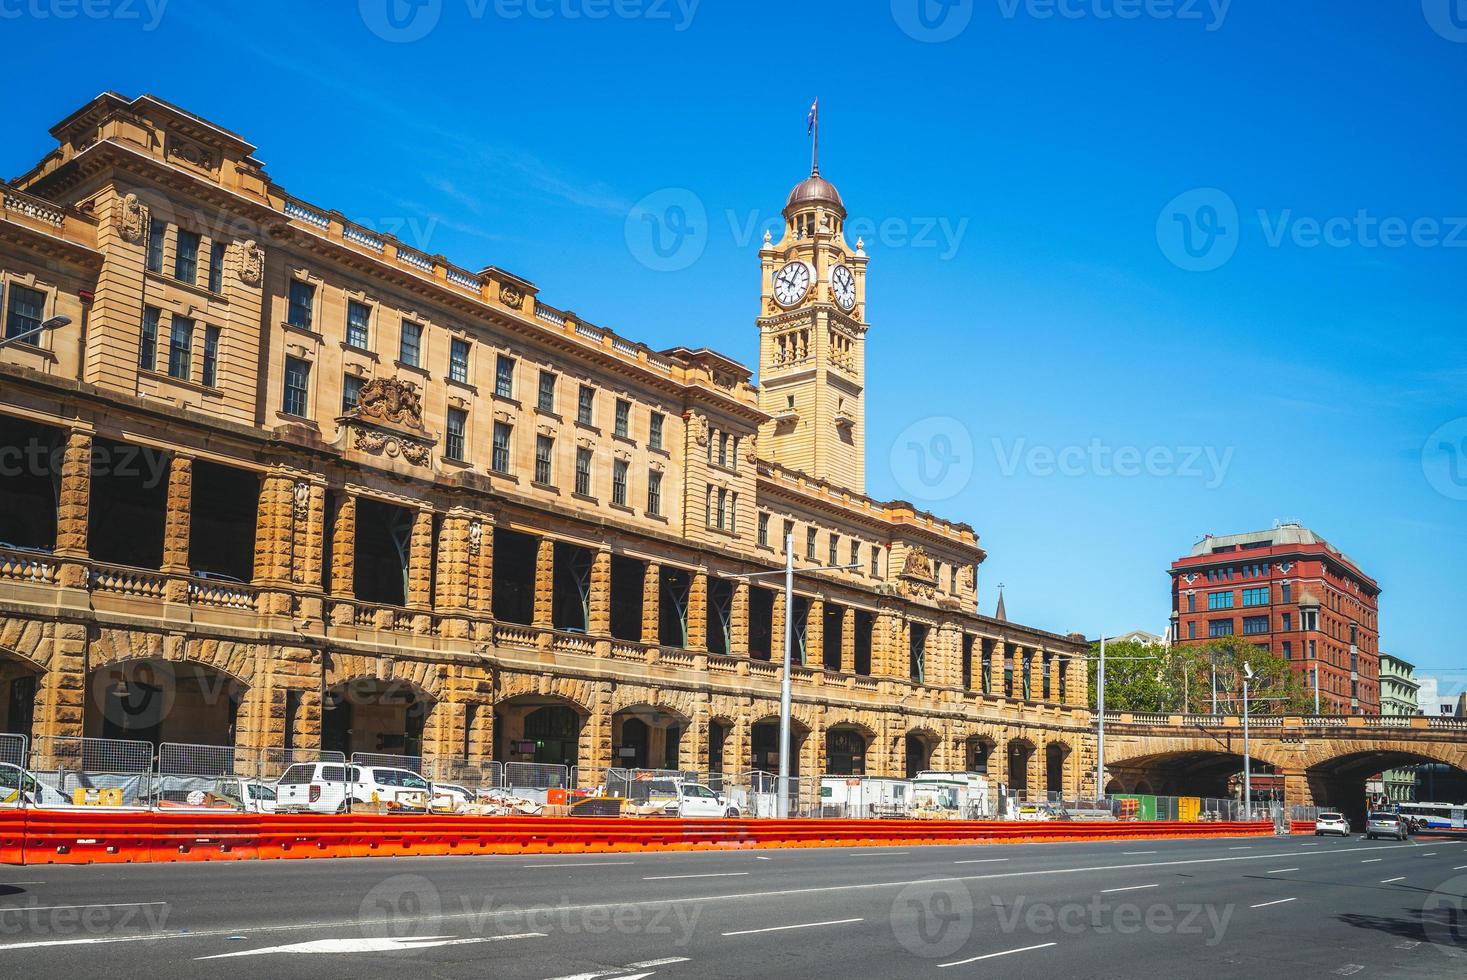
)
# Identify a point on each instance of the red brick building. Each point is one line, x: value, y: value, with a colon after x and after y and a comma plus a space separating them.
x: 1293, y: 593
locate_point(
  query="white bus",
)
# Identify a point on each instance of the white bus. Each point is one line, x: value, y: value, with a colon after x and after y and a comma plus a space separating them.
x: 1435, y: 816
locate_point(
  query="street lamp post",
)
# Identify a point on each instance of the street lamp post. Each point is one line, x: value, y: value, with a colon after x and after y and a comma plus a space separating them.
x: 1247, y: 756
x: 54, y: 323
x: 1100, y: 724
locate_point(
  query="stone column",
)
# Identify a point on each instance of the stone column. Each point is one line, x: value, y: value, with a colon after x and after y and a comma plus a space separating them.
x: 739, y: 621
x: 848, y: 640
x: 308, y: 542
x: 1000, y: 662
x: 274, y: 531
x: 652, y: 603
x: 776, y: 632
x: 815, y: 634
x: 600, y: 620
x: 594, y: 749
x: 176, y: 520
x: 544, y: 583
x: 61, y: 690
x: 451, y: 583
x: 1054, y: 676
x: 420, y: 561
x: 481, y: 563
x: 73, y: 511
x: 698, y: 611
x: 344, y: 546
x: 1077, y: 689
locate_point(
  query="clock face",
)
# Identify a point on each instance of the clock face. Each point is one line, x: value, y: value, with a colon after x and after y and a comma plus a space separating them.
x: 791, y: 283
x: 844, y: 285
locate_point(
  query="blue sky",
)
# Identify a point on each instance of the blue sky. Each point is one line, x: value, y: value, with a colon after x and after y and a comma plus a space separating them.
x: 1090, y: 234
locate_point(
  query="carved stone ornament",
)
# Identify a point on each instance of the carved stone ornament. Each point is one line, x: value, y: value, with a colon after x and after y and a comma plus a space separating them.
x: 751, y: 450
x: 302, y: 500
x: 512, y: 296
x: 390, y: 400
x: 700, y: 429
x: 385, y: 444
x: 133, y: 218
x: 251, y: 263
x: 476, y: 537
x: 917, y: 565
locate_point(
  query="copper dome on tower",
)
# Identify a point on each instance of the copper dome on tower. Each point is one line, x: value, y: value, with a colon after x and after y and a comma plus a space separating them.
x: 815, y: 190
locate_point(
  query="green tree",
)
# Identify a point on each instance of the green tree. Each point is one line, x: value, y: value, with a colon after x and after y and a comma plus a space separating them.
x: 1159, y: 680
x: 1275, y: 689
x: 1138, y: 677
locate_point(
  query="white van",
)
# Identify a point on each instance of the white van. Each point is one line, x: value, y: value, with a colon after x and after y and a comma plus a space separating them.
x: 326, y: 787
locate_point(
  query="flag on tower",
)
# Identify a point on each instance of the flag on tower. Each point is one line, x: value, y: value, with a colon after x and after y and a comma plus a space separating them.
x: 813, y: 118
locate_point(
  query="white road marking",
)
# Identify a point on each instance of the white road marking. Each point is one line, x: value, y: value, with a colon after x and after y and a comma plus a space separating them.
x: 1460, y: 867
x: 719, y: 874
x: 874, y: 854
x: 55, y: 908
x: 364, y: 944
x: 478, y: 916
x: 758, y: 857
x: 1264, y: 905
x: 1429, y: 854
x: 982, y: 861
x: 1392, y: 881
x: 1282, y: 870
x: 1349, y: 970
x: 620, y: 974
x: 1128, y: 888
x: 989, y: 956
x: 1372, y: 860
x: 803, y: 925
x: 1248, y: 848
x: 583, y: 864
x: 1128, y: 853
x: 22, y: 882
x: 1313, y: 843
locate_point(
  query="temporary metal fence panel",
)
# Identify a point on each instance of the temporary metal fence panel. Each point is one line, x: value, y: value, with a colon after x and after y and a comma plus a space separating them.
x: 13, y: 749
x: 95, y: 771
x: 410, y: 762
x: 540, y: 776
x: 274, y: 762
x: 193, y: 774
x: 472, y: 775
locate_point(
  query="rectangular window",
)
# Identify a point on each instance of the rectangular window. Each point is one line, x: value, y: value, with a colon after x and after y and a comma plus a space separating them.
x: 583, y: 471
x: 26, y: 313
x: 619, y: 483
x: 358, y: 321
x: 181, y: 348
x: 1219, y: 627
x: 211, y: 357
x: 410, y: 344
x: 297, y: 386
x: 855, y: 553
x: 1192, y: 630
x: 547, y: 391
x: 1255, y: 624
x: 763, y: 530
x: 351, y: 390
x: 834, y: 549
x: 453, y: 442
x: 458, y: 360
x: 875, y: 561
x: 1288, y: 621
x: 654, y: 432
x: 302, y: 304
x: 156, y: 231
x: 499, y: 458
x: 623, y: 417
x: 1219, y: 600
x: 216, y: 267
x: 722, y: 514
x: 148, y: 342
x: 544, y: 450
x: 723, y: 449
x: 1191, y: 602
x: 186, y: 258
x: 810, y: 544
x: 1255, y: 597
x: 585, y: 404
x: 654, y: 492
x: 504, y: 376
x: 1288, y: 650
x: 1286, y: 590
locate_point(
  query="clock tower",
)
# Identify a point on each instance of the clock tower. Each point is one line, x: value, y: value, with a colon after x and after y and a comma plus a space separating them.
x: 812, y: 340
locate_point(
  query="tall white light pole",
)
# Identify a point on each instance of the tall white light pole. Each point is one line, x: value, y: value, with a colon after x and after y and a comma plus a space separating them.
x: 1100, y: 722
x: 783, y: 810
x: 1247, y: 757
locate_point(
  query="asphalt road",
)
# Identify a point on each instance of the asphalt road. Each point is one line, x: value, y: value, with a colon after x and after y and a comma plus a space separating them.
x: 1260, y: 907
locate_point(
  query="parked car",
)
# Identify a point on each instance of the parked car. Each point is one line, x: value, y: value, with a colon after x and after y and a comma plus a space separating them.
x: 312, y: 787
x: 18, y: 786
x: 681, y: 799
x: 1331, y: 823
x: 1381, y: 824
x: 388, y: 784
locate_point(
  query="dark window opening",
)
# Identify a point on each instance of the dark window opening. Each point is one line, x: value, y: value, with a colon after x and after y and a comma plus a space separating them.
x: 832, y: 639
x: 801, y: 629
x: 845, y: 752
x: 761, y: 623
x: 129, y: 503
x: 865, y: 630
x: 717, y: 734
x: 292, y: 711
x: 514, y: 576
x: 919, y: 755
x: 720, y: 616
x: 222, y: 527
x: 986, y: 667
x: 672, y: 627
x: 967, y: 662
x: 17, y: 698
x: 570, y: 598
x: 30, y: 484
x: 917, y: 653
x: 384, y: 536
x: 628, y: 576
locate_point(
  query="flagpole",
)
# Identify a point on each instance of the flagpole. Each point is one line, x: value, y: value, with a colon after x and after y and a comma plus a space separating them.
x: 815, y: 148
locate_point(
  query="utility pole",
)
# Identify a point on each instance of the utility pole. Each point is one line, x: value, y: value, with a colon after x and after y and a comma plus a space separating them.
x: 1100, y: 722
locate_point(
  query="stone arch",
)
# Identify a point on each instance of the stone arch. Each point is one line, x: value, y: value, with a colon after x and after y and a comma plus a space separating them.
x: 21, y: 680
x: 1058, y: 766
x: 424, y: 675
x: 111, y: 647
x: 1020, y: 762
x: 918, y: 748
x: 848, y: 748
x: 579, y: 692
x: 27, y: 640
x: 978, y: 751
x: 393, y: 715
x: 657, y: 735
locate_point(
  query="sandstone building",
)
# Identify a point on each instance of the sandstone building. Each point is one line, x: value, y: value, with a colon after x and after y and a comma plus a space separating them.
x: 284, y: 482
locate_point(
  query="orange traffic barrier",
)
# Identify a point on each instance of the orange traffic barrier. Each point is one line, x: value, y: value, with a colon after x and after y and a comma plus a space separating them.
x: 77, y: 836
